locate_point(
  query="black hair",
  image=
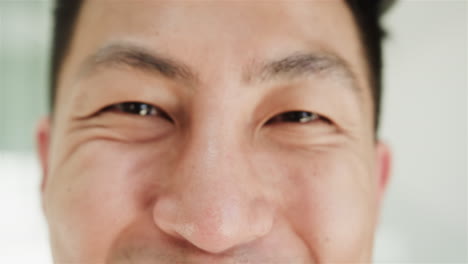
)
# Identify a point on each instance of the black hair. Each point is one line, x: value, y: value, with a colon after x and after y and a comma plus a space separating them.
x: 366, y: 13
x: 65, y: 16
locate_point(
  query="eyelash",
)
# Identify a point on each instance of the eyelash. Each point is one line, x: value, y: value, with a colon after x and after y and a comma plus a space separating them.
x: 137, y: 108
x: 301, y: 117
x: 143, y: 109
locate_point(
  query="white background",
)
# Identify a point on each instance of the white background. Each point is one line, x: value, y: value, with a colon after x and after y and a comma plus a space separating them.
x: 424, y: 120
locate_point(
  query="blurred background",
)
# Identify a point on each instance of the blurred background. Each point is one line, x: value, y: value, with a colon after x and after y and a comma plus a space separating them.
x: 424, y: 219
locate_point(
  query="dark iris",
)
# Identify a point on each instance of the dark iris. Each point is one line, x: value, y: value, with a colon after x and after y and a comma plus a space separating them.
x: 137, y: 108
x: 134, y: 108
x: 294, y: 117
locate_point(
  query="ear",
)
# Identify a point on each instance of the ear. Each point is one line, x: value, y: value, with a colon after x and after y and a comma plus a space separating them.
x: 383, y: 166
x: 43, y: 131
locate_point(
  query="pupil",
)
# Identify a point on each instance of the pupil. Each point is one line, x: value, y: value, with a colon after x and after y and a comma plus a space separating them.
x: 136, y: 108
x: 298, y: 116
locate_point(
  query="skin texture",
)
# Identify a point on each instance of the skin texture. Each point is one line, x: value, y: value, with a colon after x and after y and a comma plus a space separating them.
x: 221, y: 177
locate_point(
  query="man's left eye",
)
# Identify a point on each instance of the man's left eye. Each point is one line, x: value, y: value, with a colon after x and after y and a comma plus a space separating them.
x: 134, y: 108
x: 295, y: 117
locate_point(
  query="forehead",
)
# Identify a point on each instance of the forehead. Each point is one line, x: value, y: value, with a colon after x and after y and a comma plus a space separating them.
x: 219, y: 38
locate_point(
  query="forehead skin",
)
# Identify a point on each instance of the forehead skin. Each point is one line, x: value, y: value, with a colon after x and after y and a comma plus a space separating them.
x: 117, y: 193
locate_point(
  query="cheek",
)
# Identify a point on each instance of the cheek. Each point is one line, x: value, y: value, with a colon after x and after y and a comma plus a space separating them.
x: 332, y: 207
x: 93, y: 195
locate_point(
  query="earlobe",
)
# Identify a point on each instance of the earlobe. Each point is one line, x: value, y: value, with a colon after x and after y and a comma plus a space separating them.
x: 383, y: 167
x: 42, y: 143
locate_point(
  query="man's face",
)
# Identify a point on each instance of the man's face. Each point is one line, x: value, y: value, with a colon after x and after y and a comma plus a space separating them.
x: 213, y: 132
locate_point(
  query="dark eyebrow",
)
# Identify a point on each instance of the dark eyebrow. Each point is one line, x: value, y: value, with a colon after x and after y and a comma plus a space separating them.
x: 138, y: 58
x: 298, y: 64
x: 302, y: 65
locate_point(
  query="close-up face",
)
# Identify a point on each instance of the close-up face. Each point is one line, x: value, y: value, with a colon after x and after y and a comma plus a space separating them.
x: 213, y: 132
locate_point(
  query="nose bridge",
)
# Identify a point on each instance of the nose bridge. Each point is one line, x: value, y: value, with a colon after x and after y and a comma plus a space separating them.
x: 215, y: 203
x: 215, y: 139
x: 205, y: 167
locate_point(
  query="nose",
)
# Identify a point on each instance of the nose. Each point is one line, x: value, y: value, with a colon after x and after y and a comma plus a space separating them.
x: 215, y: 201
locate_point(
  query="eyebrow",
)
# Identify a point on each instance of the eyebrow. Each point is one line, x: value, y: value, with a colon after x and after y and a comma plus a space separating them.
x: 138, y: 58
x: 301, y: 65
x: 292, y: 66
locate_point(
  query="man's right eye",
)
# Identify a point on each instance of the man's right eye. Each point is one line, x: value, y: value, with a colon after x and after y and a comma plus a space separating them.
x: 137, y: 108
